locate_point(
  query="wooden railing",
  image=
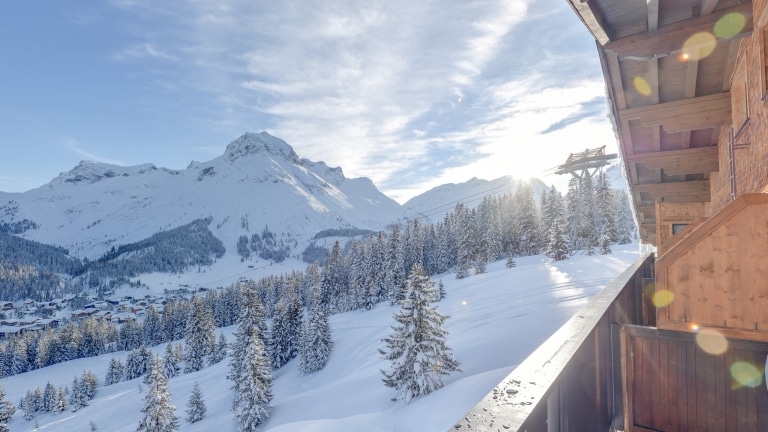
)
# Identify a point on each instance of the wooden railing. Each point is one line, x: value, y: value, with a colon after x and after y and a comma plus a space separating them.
x: 572, y: 382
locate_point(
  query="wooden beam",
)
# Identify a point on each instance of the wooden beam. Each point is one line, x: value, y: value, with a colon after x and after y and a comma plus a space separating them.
x: 653, y: 14
x: 669, y: 40
x: 698, y: 188
x: 680, y: 162
x: 591, y: 19
x: 707, y: 6
x: 686, y: 114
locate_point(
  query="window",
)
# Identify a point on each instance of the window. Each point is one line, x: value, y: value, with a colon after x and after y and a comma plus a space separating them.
x: 676, y: 228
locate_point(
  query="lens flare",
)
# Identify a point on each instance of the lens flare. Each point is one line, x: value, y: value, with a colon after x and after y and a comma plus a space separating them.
x: 699, y: 45
x: 642, y: 86
x: 663, y: 298
x: 695, y: 327
x: 712, y: 341
x: 746, y: 374
x: 730, y: 25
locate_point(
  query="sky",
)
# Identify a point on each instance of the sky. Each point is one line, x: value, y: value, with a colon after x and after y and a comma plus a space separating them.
x: 411, y: 94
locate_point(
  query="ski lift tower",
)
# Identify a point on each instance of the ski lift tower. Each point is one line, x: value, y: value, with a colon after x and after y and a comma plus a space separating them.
x: 583, y: 166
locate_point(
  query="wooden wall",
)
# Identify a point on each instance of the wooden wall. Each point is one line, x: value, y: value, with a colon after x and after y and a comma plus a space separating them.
x: 668, y: 214
x: 751, y: 144
x: 717, y: 275
x: 673, y: 385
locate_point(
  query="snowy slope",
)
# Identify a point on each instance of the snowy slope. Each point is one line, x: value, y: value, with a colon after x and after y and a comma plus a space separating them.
x: 436, y: 202
x: 259, y: 179
x: 496, y: 320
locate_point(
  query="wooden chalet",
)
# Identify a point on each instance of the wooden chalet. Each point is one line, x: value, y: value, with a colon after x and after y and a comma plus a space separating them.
x: 678, y: 343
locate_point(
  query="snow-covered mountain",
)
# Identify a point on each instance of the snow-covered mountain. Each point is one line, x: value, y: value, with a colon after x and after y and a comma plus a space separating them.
x: 436, y: 202
x: 259, y: 181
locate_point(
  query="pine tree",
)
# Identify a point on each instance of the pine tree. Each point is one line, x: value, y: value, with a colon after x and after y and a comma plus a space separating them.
x: 558, y: 243
x: 159, y: 414
x: 316, y: 342
x: 251, y: 402
x: 50, y: 397
x: 200, y: 336
x: 605, y: 244
x: 88, y: 384
x: 115, y: 372
x: 61, y: 402
x: 510, y: 261
x: 6, y: 411
x: 170, y: 366
x: 251, y: 322
x: 285, y: 333
x: 440, y: 290
x: 220, y: 352
x: 195, y: 405
x: 27, y: 406
x: 417, y: 348
x: 76, y: 395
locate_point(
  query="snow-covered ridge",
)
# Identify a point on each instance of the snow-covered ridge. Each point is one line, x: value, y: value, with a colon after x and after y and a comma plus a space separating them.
x: 259, y: 181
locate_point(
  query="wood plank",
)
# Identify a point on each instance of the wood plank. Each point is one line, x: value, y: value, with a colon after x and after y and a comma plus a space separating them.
x: 653, y: 79
x: 627, y: 377
x: 751, y: 358
x: 690, y: 384
x: 720, y: 382
x: 741, y: 397
x: 614, y: 76
x: 591, y: 19
x: 650, y: 113
x: 676, y: 189
x: 663, y: 419
x: 682, y: 386
x: 730, y: 392
x: 686, y: 161
x: 673, y: 393
x: 653, y: 14
x: 670, y: 39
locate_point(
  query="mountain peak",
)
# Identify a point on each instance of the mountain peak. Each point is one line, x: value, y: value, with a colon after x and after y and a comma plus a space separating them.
x: 91, y: 172
x: 253, y: 143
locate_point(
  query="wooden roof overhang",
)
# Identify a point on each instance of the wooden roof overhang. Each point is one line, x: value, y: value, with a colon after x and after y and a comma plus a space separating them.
x: 668, y: 99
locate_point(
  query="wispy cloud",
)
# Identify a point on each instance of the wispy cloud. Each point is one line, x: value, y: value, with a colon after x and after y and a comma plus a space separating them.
x: 141, y: 51
x: 77, y: 148
x: 407, y: 93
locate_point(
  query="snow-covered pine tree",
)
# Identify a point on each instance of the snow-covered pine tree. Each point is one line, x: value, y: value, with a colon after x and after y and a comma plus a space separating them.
x: 136, y: 363
x: 88, y: 383
x: 6, y: 411
x: 394, y: 265
x: 153, y: 328
x: 50, y: 397
x: 27, y: 406
x: 316, y: 342
x: 440, y: 290
x: 465, y: 241
x: 285, y: 334
x: 61, y: 402
x: 333, y: 279
x: 170, y: 366
x: 605, y: 244
x: 251, y: 402
x: 115, y: 372
x: 417, y: 349
x: 159, y: 414
x: 76, y: 395
x: 557, y: 249
x: 510, y: 260
x: 195, y: 405
x: 251, y: 322
x: 200, y: 336
x: 220, y: 351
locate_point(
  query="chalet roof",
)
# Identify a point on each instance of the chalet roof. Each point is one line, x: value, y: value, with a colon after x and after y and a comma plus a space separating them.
x: 667, y: 73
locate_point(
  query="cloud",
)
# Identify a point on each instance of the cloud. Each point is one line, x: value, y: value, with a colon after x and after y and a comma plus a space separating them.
x: 406, y: 93
x: 142, y: 51
x: 78, y: 148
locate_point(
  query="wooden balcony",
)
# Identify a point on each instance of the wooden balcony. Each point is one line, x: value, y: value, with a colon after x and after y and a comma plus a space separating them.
x: 573, y: 380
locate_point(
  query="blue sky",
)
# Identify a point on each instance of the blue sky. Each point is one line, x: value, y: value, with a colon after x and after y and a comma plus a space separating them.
x: 411, y: 94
